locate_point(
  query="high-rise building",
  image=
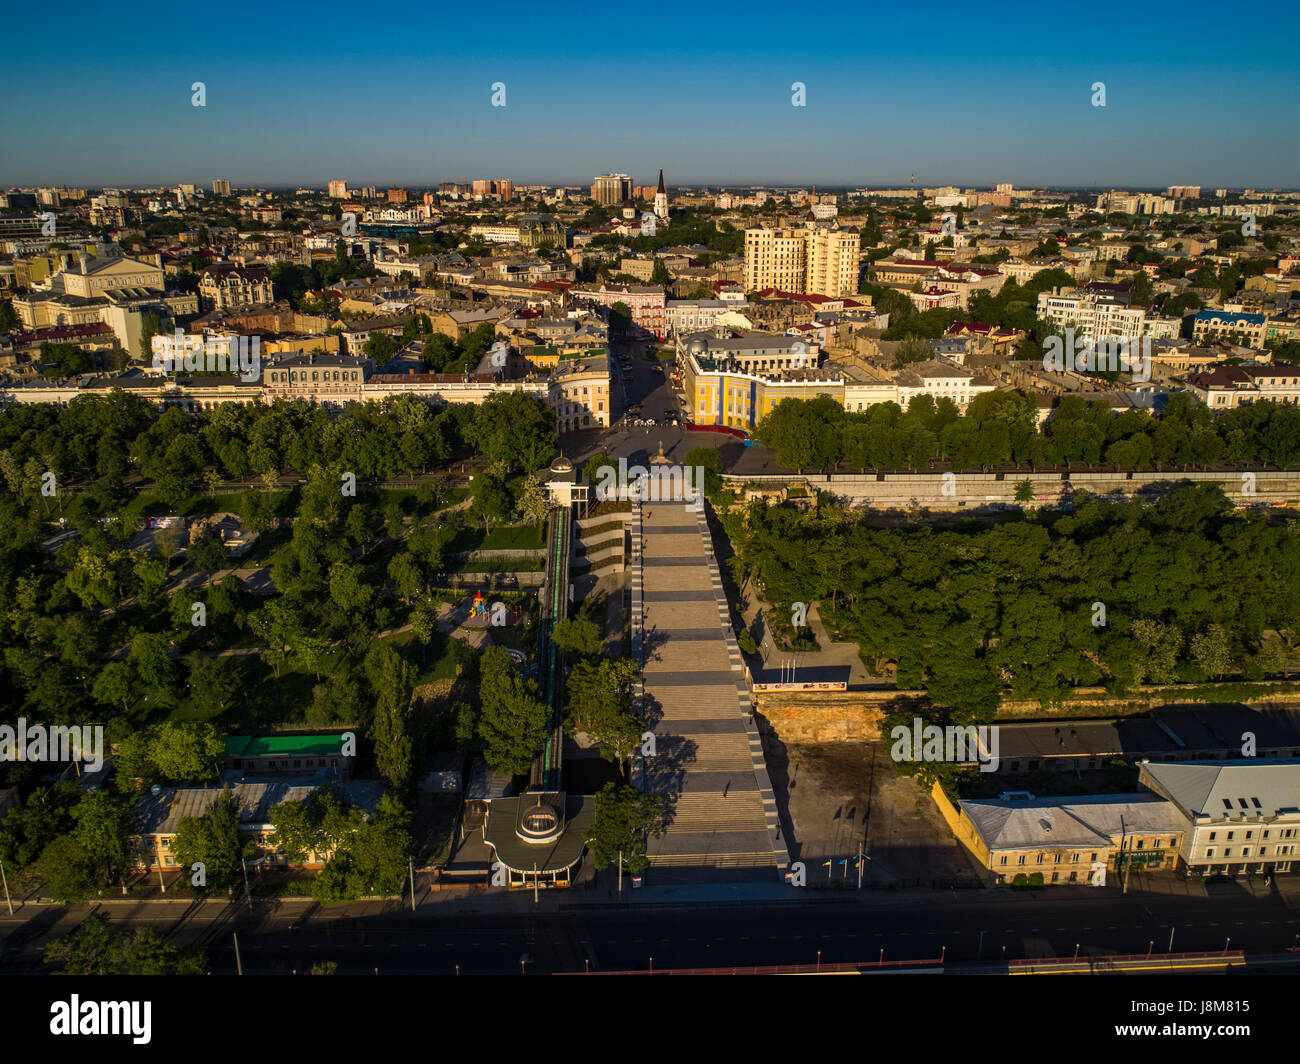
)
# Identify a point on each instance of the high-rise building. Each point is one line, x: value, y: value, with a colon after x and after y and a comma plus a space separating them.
x: 397, y: 195
x: 505, y: 188
x: 815, y: 260
x: 220, y: 187
x: 610, y: 190
x: 338, y: 190
x: 1183, y: 192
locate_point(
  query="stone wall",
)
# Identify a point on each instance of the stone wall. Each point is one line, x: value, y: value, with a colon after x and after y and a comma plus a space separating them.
x: 855, y: 716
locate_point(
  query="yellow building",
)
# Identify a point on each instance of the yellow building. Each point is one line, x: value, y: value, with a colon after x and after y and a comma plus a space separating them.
x: 1066, y: 840
x: 98, y: 276
x: 736, y: 381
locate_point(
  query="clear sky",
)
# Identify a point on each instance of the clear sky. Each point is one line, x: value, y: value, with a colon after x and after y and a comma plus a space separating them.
x: 401, y: 93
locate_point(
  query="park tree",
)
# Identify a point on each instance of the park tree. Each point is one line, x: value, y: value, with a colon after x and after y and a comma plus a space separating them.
x: 215, y: 842
x: 600, y: 705
x: 512, y: 720
x: 96, y: 948
x: 623, y: 820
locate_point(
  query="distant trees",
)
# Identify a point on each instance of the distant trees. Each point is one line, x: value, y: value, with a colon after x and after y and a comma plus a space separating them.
x: 973, y: 615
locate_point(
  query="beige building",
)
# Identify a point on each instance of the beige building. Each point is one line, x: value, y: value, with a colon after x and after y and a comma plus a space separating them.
x: 1066, y: 840
x: 95, y: 276
x: 224, y: 285
x: 1238, y: 816
x: 610, y: 190
x: 581, y: 391
x: 815, y: 259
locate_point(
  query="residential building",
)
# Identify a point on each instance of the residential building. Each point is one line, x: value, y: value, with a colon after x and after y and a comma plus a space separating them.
x: 1248, y: 330
x: 610, y: 190
x: 226, y: 285
x: 940, y: 379
x: 646, y: 303
x: 691, y: 315
x: 1228, y: 387
x: 1237, y: 816
x: 814, y: 259
x: 338, y: 190
x: 1067, y: 840
x: 1102, y: 311
x: 220, y: 187
x: 155, y: 818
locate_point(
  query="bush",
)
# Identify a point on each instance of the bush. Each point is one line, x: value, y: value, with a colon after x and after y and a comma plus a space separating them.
x: 1036, y: 879
x: 1021, y: 880
x: 746, y: 642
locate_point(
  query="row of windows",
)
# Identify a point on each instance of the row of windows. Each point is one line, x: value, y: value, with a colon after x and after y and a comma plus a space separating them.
x: 1282, y: 851
x: 284, y: 376
x: 1283, y: 833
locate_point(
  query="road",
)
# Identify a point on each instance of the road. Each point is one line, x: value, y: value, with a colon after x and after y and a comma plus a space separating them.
x: 482, y: 933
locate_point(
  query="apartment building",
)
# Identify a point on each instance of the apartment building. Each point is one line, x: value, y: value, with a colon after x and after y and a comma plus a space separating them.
x: 1102, y: 310
x: 814, y: 259
x: 338, y: 190
x: 1237, y: 816
x: 646, y: 303
x: 220, y: 187
x: 940, y: 379
x: 1228, y: 387
x: 691, y: 315
x: 610, y: 190
x: 330, y: 380
x: 1248, y: 330
x: 226, y: 285
x: 940, y: 276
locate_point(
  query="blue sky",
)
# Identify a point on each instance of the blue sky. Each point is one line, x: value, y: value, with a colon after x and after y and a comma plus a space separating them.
x: 401, y: 94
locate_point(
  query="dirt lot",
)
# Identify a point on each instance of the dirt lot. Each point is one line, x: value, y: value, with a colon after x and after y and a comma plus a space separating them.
x: 833, y: 795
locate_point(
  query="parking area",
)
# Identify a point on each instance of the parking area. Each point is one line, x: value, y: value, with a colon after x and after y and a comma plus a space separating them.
x: 832, y: 797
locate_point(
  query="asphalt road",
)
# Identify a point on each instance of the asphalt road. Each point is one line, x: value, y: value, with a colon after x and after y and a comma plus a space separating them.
x: 477, y: 934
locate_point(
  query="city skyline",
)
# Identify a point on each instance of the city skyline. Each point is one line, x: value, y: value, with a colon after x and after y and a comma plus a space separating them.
x: 708, y: 98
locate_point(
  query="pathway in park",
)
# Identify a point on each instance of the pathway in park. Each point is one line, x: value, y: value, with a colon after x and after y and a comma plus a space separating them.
x: 708, y: 761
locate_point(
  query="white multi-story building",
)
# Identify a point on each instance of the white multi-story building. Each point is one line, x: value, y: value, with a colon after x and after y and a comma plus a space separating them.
x: 940, y: 379
x: 1102, y: 311
x: 690, y: 315
x: 1240, y: 816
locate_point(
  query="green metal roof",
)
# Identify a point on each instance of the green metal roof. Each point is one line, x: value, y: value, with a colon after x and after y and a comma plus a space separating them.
x: 283, y: 745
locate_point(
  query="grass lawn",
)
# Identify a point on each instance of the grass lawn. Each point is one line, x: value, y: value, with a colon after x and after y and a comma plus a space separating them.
x: 503, y: 537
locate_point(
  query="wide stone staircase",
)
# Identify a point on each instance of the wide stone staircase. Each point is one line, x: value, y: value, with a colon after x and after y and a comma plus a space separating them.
x: 708, y: 763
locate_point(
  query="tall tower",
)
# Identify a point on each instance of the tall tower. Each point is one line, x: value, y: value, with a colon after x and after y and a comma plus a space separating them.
x: 661, y: 197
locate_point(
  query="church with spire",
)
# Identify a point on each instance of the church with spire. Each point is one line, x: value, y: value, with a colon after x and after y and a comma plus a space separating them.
x: 661, y: 198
